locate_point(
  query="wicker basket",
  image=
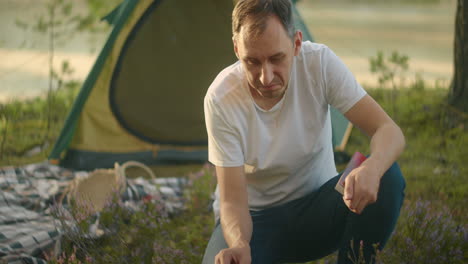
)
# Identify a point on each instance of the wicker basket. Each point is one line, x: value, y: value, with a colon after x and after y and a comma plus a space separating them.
x: 92, y: 193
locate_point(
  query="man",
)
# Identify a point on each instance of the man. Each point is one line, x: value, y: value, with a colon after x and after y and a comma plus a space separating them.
x: 269, y: 131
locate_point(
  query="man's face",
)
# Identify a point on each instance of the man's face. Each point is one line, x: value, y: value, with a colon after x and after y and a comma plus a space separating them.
x: 267, y: 58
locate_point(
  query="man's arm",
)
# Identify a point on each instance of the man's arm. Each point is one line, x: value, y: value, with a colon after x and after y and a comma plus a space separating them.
x: 235, y: 217
x: 387, y: 143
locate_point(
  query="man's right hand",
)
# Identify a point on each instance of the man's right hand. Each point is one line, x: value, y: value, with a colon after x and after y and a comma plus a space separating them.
x: 235, y: 255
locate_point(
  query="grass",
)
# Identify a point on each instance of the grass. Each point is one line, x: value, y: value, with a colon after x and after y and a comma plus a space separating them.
x: 434, y: 159
x: 432, y: 227
x: 23, y: 126
x: 435, y: 170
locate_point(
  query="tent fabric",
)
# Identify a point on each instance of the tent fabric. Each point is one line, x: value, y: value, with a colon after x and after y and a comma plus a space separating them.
x: 191, y: 50
x: 97, y: 130
x: 143, y: 99
x: 68, y: 131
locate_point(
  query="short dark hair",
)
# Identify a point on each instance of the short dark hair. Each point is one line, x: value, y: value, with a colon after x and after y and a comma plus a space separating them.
x: 260, y: 10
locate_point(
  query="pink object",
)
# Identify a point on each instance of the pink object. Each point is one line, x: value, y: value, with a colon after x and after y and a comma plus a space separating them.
x: 356, y: 160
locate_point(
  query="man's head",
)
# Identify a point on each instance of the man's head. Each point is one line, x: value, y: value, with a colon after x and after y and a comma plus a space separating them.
x: 265, y: 42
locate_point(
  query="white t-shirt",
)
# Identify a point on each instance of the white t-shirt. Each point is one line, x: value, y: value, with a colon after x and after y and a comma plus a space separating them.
x: 286, y: 151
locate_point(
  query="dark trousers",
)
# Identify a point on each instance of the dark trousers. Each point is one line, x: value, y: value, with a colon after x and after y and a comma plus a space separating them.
x: 318, y: 224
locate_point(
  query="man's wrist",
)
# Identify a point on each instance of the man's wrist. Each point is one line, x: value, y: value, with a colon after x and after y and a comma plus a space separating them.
x: 375, y: 166
x: 241, y: 244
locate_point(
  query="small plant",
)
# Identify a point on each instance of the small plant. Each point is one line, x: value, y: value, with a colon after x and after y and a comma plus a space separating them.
x: 425, y: 234
x: 359, y: 259
x: 10, y: 114
x: 68, y: 259
x: 59, y: 25
x: 387, y: 70
x: 59, y: 22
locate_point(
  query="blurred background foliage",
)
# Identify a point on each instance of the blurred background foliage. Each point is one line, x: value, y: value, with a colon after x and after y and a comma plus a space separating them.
x: 432, y: 227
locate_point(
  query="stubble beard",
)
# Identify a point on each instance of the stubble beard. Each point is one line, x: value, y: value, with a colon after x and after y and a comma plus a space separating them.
x: 276, y: 94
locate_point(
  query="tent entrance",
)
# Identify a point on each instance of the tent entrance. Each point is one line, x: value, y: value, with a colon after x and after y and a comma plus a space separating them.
x: 166, y: 65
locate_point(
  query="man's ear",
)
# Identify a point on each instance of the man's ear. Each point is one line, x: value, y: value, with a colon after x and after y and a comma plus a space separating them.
x: 297, y: 42
x: 236, y: 50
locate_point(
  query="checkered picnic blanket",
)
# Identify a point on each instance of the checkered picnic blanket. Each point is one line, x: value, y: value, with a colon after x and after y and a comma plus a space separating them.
x: 28, y: 230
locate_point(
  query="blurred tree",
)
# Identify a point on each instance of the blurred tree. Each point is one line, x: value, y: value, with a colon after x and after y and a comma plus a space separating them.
x: 459, y: 89
x: 99, y: 8
x: 59, y: 21
x: 395, y: 66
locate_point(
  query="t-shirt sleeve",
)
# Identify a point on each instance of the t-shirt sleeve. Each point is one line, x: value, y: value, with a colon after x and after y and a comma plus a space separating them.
x: 224, y: 147
x: 342, y: 90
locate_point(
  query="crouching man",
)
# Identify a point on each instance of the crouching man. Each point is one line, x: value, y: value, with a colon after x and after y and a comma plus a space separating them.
x: 269, y: 130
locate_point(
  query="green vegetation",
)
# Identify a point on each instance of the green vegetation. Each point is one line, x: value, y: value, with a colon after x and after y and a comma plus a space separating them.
x: 25, y: 136
x: 387, y: 1
x: 387, y: 71
x: 432, y: 227
x: 29, y: 128
x: 433, y: 164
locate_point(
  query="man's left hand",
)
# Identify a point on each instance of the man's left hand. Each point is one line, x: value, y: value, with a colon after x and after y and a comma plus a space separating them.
x: 361, y: 188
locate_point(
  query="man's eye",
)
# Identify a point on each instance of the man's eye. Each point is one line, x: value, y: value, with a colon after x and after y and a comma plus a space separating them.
x: 251, y: 62
x: 276, y: 59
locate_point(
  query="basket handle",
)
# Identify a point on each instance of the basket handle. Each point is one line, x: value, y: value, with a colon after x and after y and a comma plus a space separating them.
x: 135, y: 164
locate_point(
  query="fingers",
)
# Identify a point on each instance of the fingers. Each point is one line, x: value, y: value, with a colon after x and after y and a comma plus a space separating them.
x: 245, y: 260
x: 361, y: 189
x: 359, y: 206
x: 367, y: 196
x: 356, y: 205
x: 348, y: 191
x: 362, y: 198
x: 353, y: 196
x: 224, y: 257
x: 349, y: 188
x: 232, y: 256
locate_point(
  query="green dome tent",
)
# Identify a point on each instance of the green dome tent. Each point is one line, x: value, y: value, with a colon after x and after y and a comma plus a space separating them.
x: 143, y: 99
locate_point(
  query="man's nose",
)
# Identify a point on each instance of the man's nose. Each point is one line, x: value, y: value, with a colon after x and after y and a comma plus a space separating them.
x: 266, y: 76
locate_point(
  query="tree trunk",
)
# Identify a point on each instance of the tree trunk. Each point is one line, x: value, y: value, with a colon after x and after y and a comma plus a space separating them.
x: 458, y: 96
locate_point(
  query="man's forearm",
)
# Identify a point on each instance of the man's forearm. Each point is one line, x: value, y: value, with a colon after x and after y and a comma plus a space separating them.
x: 237, y: 224
x: 386, y: 146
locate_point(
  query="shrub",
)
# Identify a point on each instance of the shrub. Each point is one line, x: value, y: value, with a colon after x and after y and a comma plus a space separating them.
x: 426, y: 234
